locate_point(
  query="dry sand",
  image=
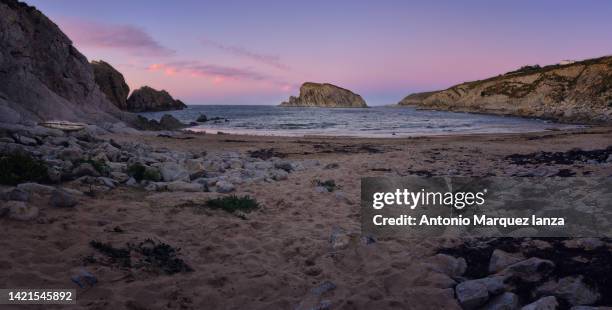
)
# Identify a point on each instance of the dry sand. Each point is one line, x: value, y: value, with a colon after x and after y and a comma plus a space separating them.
x: 273, y: 258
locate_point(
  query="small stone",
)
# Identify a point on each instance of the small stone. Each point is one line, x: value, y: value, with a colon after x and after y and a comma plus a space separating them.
x: 283, y: 165
x: 339, y: 239
x: 180, y: 186
x: 71, y: 154
x: 341, y: 197
x: 471, y: 294
x: 321, y: 189
x: 36, y: 189
x: 278, y: 174
x: 85, y: 169
x: 494, y: 284
x: 572, y: 289
x: 500, y: 260
x: 119, y: 176
x: 446, y: 264
x: 609, y: 160
x: 544, y: 303
x: 17, y: 194
x: 55, y: 174
x: 131, y: 182
x: 20, y: 211
x: 530, y: 270
x: 588, y: 244
x: 171, y: 171
x: 224, y: 187
x: 62, y: 199
x: 108, y: 182
x: 505, y: 301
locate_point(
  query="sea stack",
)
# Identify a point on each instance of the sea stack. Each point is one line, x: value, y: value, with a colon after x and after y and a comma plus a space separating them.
x: 112, y: 83
x: 325, y: 95
x: 149, y: 99
x: 569, y: 91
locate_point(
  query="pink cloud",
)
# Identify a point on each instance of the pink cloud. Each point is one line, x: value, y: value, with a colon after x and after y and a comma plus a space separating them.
x: 195, y: 69
x: 270, y: 60
x: 123, y: 37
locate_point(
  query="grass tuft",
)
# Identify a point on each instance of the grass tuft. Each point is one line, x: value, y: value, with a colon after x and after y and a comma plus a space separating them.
x: 20, y: 167
x: 233, y: 203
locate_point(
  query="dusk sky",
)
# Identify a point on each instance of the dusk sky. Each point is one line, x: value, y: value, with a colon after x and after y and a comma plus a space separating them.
x: 259, y: 52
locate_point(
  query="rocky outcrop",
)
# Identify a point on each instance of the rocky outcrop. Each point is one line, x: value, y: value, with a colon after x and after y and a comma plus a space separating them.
x: 42, y: 75
x: 325, y: 95
x: 149, y: 99
x: 111, y: 82
x: 577, y: 92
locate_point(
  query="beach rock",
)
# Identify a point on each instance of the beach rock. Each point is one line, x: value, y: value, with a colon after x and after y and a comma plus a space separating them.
x: 505, y: 301
x: 17, y: 194
x: 494, y: 284
x: 42, y: 75
x: 169, y: 122
x: 21, y: 139
x: 530, y: 270
x: 71, y: 153
x: 108, y: 182
x: 500, y: 260
x: 111, y: 83
x: 588, y: 244
x: 54, y: 174
x: 194, y: 166
x: 278, y: 174
x: 19, y: 210
x: 62, y: 199
x: 202, y: 118
x: 131, y: 182
x: 572, y: 289
x: 149, y: 99
x: 36, y: 189
x: 180, y: 186
x: 325, y: 95
x: 446, y: 264
x: 609, y: 160
x: 339, y: 239
x: 85, y: 169
x: 284, y: 165
x: 471, y: 295
x: 224, y: 187
x: 572, y: 93
x: 172, y: 171
x: 544, y: 303
x: 119, y: 176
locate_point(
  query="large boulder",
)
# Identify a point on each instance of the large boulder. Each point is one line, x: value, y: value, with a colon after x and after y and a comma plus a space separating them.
x: 149, y: 99
x: 112, y: 83
x: 42, y: 75
x: 325, y: 95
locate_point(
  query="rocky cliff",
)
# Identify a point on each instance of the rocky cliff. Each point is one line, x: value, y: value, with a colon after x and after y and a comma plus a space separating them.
x: 149, y: 99
x: 42, y: 75
x: 112, y: 83
x: 325, y: 95
x: 577, y: 92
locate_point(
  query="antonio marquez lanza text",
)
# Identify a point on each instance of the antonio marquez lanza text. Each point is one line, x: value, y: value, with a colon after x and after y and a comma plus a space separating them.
x: 476, y: 220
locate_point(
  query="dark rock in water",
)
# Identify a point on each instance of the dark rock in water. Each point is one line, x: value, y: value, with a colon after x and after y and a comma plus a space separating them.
x: 325, y: 95
x: 202, y: 118
x: 112, y: 83
x: 149, y: 99
x: 42, y: 75
x: 167, y: 122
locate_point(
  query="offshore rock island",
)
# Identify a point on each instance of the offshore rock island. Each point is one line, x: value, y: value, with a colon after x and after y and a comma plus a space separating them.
x: 325, y: 95
x: 569, y: 92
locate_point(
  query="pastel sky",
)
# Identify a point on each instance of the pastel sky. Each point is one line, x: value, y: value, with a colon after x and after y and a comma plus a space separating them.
x: 259, y: 52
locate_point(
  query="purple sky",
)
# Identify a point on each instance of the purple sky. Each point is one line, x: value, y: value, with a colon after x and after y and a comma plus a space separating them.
x: 259, y: 52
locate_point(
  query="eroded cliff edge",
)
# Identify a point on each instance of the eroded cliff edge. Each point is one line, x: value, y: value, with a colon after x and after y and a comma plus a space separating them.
x: 579, y: 92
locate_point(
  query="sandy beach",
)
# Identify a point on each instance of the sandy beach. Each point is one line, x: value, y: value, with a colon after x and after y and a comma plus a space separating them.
x: 272, y: 257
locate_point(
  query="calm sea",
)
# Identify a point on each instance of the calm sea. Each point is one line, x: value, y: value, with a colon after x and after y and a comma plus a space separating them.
x: 370, y: 122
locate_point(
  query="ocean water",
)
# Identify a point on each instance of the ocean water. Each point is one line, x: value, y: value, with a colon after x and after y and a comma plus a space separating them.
x: 370, y: 122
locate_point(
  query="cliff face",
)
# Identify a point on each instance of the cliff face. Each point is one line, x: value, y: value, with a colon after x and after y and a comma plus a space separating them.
x: 111, y: 83
x: 149, y: 99
x: 325, y: 95
x: 578, y: 92
x: 42, y: 75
